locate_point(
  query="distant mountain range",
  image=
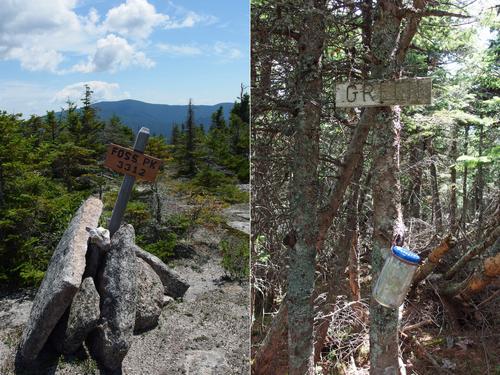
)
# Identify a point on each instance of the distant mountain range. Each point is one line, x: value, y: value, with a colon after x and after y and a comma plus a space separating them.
x: 159, y: 118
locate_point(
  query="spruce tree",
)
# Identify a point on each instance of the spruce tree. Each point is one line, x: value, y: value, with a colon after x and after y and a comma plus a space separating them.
x: 174, y: 139
x: 51, y: 126
x: 190, y: 141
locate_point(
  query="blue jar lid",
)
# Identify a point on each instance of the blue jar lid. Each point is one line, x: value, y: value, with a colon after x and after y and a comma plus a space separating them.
x: 405, y: 254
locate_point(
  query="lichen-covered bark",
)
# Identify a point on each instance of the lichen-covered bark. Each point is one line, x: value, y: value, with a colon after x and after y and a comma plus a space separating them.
x: 388, y: 225
x: 304, y: 189
x: 386, y: 190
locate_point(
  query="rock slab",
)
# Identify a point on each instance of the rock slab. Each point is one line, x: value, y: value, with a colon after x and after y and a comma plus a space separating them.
x: 82, y: 317
x: 61, y: 282
x: 175, y: 286
x: 117, y: 286
x: 149, y: 300
x: 206, y: 362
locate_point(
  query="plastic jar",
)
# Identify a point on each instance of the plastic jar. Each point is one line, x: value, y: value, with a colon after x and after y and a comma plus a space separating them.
x: 396, y: 277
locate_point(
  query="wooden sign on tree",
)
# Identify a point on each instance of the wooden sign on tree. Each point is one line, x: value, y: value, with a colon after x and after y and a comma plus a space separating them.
x: 378, y: 93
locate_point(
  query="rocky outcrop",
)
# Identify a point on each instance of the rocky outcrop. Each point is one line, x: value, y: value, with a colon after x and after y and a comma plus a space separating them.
x: 79, y: 320
x: 61, y: 282
x: 174, y: 285
x: 99, y: 243
x: 149, y: 297
x: 117, y: 286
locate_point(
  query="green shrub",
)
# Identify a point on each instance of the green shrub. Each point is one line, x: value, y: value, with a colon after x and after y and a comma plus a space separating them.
x: 231, y: 194
x: 211, y: 179
x: 236, y: 255
x: 164, y: 248
x: 179, y: 223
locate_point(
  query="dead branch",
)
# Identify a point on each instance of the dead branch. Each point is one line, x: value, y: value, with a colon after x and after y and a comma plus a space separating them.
x: 476, y: 250
x: 434, y: 258
x: 417, y: 325
x: 486, y: 273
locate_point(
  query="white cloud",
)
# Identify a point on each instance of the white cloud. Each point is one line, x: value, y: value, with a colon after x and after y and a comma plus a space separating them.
x: 226, y: 51
x: 44, y: 25
x: 112, y: 54
x: 191, y: 19
x: 222, y: 51
x: 101, y: 91
x: 49, y: 35
x: 42, y: 34
x: 35, y: 58
x: 135, y: 18
x: 180, y: 49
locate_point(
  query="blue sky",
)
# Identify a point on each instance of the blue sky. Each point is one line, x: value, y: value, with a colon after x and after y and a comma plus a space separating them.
x: 158, y: 51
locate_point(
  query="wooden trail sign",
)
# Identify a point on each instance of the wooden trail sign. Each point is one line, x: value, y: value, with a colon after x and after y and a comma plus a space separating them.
x: 377, y: 93
x: 133, y: 163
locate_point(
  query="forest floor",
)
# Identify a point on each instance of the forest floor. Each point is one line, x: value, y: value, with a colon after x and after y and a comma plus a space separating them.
x: 205, y: 332
x: 437, y: 337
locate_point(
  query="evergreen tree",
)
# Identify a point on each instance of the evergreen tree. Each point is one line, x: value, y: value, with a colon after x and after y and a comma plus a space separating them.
x: 90, y: 125
x: 51, y: 126
x: 115, y: 132
x: 174, y: 139
x: 218, y: 122
x: 190, y: 141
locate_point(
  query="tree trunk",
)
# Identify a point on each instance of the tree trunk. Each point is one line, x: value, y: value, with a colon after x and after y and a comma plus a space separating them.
x: 478, y: 199
x: 416, y: 177
x: 273, y: 360
x: 268, y: 355
x: 453, y: 180
x: 437, y: 215
x: 388, y: 225
x: 304, y: 190
x: 337, y: 284
x: 389, y: 51
x: 463, y: 218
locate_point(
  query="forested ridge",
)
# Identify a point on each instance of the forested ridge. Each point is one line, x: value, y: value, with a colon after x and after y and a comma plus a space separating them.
x: 333, y: 188
x: 49, y: 164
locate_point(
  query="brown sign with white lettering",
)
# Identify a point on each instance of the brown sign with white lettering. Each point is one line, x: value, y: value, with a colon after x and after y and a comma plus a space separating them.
x: 376, y: 93
x: 126, y: 161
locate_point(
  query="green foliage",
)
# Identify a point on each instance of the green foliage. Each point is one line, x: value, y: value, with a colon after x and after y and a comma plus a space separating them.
x: 211, y: 179
x: 235, y: 255
x: 473, y: 161
x: 179, y: 223
x: 48, y: 166
x: 220, y: 154
x: 163, y: 249
x: 137, y: 213
x: 231, y: 194
x: 218, y: 184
